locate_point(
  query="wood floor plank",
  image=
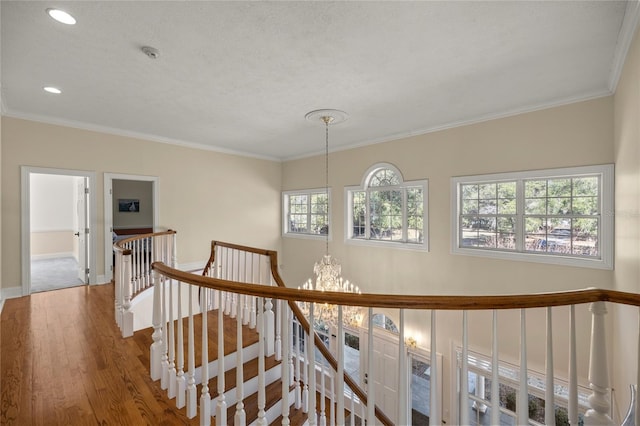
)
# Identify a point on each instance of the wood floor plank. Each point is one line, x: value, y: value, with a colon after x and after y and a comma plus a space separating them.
x: 63, y: 362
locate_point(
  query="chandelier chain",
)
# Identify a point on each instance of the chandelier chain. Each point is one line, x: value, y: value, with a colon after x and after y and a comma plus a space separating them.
x: 326, y: 120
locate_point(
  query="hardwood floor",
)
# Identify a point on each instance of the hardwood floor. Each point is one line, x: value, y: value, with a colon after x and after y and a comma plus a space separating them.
x: 64, y: 362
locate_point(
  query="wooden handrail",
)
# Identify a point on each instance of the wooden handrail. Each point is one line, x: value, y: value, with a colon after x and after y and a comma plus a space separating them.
x: 395, y: 301
x: 119, y: 245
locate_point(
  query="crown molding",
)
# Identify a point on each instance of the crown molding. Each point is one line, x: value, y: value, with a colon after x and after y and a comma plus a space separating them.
x: 625, y: 37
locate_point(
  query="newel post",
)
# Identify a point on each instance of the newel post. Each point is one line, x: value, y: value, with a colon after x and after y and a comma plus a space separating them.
x: 156, y: 347
x: 127, y: 315
x: 598, y: 414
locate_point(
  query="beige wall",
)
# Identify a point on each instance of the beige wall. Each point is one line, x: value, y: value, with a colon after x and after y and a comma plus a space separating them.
x: 53, y: 244
x: 571, y: 135
x: 627, y: 254
x: 204, y: 195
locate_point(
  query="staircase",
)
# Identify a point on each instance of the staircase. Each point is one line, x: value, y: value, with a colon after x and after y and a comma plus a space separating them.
x: 250, y: 368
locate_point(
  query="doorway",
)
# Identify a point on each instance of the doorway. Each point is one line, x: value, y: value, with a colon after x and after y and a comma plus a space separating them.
x: 137, y: 190
x: 58, y: 212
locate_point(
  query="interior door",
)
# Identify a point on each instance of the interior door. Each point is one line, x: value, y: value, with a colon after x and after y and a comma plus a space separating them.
x: 385, y: 372
x: 82, y: 230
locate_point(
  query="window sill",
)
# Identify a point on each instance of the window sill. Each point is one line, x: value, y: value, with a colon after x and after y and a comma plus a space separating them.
x: 536, y: 258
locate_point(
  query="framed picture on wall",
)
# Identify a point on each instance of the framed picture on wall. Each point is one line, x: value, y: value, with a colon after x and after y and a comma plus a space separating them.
x: 128, y: 205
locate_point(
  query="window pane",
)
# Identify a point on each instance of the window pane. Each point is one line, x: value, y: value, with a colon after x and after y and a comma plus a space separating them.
x: 384, y: 177
x: 358, y: 217
x: 535, y: 188
x: 558, y: 206
x: 587, y: 186
x: 559, y: 187
x: 587, y: 206
x: 298, y: 223
x: 386, y: 215
x: 415, y: 215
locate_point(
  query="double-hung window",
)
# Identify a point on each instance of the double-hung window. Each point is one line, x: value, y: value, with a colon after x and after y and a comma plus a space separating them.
x: 561, y: 216
x: 306, y: 213
x: 387, y: 210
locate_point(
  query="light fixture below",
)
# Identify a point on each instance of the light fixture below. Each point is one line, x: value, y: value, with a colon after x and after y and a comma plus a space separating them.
x: 61, y: 16
x: 51, y: 89
x: 328, y: 269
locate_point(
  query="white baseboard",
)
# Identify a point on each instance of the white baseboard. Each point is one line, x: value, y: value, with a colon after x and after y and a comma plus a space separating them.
x: 9, y: 293
x: 51, y: 256
x: 102, y: 279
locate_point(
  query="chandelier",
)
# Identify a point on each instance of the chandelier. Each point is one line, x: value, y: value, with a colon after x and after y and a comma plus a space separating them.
x: 328, y: 270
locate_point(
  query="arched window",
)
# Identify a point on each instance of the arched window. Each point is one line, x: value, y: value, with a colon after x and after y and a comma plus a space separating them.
x: 386, y: 209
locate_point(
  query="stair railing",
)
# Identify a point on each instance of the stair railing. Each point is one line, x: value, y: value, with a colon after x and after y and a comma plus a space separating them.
x: 133, y: 258
x: 235, y: 293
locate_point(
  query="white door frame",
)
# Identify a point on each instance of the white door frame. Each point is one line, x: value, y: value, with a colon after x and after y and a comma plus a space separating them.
x: 25, y: 182
x: 108, y: 213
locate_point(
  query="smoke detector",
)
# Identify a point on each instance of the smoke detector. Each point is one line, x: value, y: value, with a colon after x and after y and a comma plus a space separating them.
x: 151, y: 52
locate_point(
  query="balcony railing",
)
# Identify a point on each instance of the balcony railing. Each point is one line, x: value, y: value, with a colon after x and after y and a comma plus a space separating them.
x: 244, y: 283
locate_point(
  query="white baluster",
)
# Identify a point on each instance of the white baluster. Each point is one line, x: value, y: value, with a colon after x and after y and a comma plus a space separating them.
x: 495, y: 373
x: 549, y: 397
x: 155, y: 360
x: 340, y: 372
x: 192, y: 403
x: 573, y: 369
x: 352, y: 414
x: 221, y: 407
x: 117, y: 281
x: 164, y: 381
x: 278, y: 342
x: 403, y: 382
x: 370, y: 376
x: 434, y: 395
x: 323, y: 395
x: 205, y: 398
x: 598, y: 414
x: 522, y: 406
x: 269, y: 327
x: 181, y: 383
x: 240, y: 417
x: 332, y: 411
x: 305, y: 391
x: 290, y: 321
x: 284, y: 314
x: 262, y: 398
x: 296, y: 343
x: 171, y: 392
x: 464, y: 373
x: 311, y: 354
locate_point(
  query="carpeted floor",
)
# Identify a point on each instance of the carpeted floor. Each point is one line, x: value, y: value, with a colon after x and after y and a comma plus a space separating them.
x: 53, y: 274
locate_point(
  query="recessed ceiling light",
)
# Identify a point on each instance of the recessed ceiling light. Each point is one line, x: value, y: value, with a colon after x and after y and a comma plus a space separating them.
x: 61, y: 16
x: 51, y: 89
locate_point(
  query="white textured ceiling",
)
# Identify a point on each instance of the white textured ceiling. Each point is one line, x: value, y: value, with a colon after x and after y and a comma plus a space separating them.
x: 240, y: 76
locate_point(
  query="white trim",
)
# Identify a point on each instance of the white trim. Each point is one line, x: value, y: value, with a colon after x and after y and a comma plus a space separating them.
x: 285, y: 214
x: 606, y: 217
x: 51, y: 255
x: 25, y: 201
x: 131, y: 134
x: 108, y: 213
x: 625, y: 37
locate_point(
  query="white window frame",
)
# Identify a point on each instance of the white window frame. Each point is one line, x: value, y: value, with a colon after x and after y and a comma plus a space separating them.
x: 606, y: 209
x: 508, y: 374
x: 285, y: 214
x: 348, y: 201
